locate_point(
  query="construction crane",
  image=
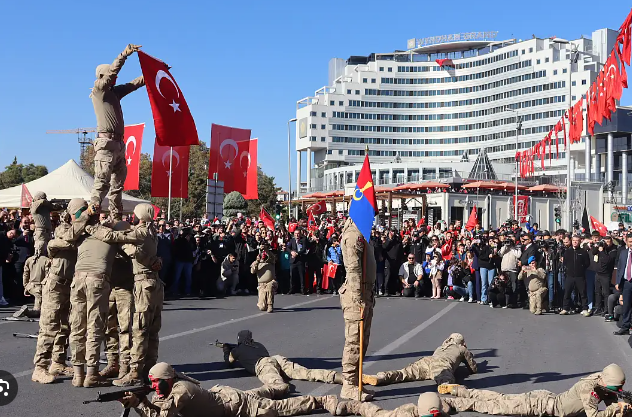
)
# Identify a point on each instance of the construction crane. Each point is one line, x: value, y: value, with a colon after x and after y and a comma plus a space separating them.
x: 82, y: 137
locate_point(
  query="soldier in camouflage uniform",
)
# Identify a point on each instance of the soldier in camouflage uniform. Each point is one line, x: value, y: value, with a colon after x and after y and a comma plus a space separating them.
x: 32, y: 279
x: 177, y: 394
x: 583, y: 397
x: 118, y: 334
x: 535, y: 280
x: 110, y: 168
x: 54, y: 325
x: 273, y: 370
x: 354, y: 296
x: 429, y: 404
x: 264, y: 268
x: 40, y: 210
x: 149, y: 293
x: 440, y: 366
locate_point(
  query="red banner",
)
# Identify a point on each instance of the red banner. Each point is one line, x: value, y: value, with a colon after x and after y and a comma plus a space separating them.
x: 248, y: 168
x: 133, y: 136
x: 265, y: 217
x: 225, y: 157
x: 317, y: 208
x: 173, y: 121
x: 523, y: 207
x: 473, y: 220
x: 179, y: 172
x: 25, y: 197
x: 598, y: 226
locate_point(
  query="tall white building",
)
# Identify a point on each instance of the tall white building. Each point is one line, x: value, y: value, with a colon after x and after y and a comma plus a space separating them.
x: 422, y: 120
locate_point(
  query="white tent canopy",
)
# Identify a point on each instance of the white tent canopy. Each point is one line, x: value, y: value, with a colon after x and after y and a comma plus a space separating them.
x: 66, y: 182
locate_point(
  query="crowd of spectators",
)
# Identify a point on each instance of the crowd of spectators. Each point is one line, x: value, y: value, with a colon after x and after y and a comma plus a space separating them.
x: 208, y: 258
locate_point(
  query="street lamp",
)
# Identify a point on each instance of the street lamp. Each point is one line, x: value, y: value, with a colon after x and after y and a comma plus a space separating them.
x: 289, y: 172
x: 518, y: 126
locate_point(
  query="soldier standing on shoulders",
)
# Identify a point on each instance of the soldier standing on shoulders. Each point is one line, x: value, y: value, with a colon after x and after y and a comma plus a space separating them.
x: 356, y: 294
x: 110, y: 168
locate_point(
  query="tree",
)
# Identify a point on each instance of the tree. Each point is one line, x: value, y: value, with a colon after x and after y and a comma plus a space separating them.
x: 87, y: 160
x: 234, y: 203
x: 267, y: 194
x: 16, y: 174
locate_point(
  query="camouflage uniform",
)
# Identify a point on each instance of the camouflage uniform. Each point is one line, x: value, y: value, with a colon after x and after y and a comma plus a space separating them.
x: 352, y: 297
x: 584, y: 396
x: 32, y: 278
x: 440, y: 366
x: 536, y: 283
x: 273, y: 370
x: 110, y: 168
x: 188, y: 399
x: 265, y: 271
x: 89, y: 295
x: 40, y: 210
x: 428, y: 404
x: 148, y: 297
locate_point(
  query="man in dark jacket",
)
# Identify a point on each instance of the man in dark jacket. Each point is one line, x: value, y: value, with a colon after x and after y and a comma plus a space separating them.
x: 624, y: 284
x: 165, y: 248
x: 576, y: 262
x: 183, y: 249
x: 605, y: 255
x: 393, y: 259
x: 298, y: 249
x: 529, y: 249
x: 6, y: 244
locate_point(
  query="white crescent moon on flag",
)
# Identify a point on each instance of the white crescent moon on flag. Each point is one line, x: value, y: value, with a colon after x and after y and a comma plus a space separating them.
x: 242, y: 157
x: 229, y: 142
x: 131, y: 139
x: 315, y: 207
x: 166, y: 154
x: 159, y: 76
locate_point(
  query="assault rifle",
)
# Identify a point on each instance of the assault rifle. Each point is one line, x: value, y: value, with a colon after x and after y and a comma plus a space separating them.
x: 25, y: 335
x: 222, y: 344
x: 624, y: 396
x: 118, y: 395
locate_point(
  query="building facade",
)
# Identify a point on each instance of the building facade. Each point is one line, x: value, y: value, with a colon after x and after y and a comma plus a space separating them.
x: 422, y: 120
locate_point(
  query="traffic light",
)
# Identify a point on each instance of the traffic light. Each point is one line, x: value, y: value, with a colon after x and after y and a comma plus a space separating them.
x: 558, y: 214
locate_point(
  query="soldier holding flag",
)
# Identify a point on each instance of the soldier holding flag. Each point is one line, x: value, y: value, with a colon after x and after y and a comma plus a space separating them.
x: 356, y: 294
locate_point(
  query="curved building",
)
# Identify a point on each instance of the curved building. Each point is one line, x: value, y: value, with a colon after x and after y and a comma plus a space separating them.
x: 427, y: 111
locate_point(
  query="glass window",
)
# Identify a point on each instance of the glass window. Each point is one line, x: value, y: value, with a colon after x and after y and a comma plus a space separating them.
x: 323, y: 114
x: 554, y: 72
x: 339, y: 151
x: 341, y: 103
x: 349, y: 92
x: 312, y: 113
x: 312, y: 126
x: 364, y: 80
x: 537, y: 61
x: 390, y: 70
x: 546, y: 59
x: 323, y: 127
x: 573, y: 83
x: 332, y: 103
x: 564, y: 71
x: 372, y: 80
x: 322, y: 138
x: 357, y: 92
x: 381, y: 68
x: 523, y: 51
x: 530, y: 50
x: 583, y: 82
x: 572, y: 98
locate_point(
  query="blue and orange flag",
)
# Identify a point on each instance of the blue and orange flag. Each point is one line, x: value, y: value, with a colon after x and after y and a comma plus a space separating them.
x: 363, y: 205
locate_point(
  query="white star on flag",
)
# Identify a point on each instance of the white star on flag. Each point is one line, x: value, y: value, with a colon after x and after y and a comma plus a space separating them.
x: 176, y: 106
x: 245, y: 173
x: 129, y: 160
x: 227, y: 164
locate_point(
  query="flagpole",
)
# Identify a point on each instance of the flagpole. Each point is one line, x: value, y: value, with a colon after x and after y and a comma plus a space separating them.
x: 361, y: 323
x: 170, y: 167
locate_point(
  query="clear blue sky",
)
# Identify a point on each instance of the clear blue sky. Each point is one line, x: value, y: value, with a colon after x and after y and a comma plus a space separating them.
x: 239, y: 63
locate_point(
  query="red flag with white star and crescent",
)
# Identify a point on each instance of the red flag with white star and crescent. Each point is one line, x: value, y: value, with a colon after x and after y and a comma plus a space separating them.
x: 173, y: 121
x: 317, y: 208
x: 227, y: 158
x: 133, y: 140
x: 248, y: 168
x: 179, y: 171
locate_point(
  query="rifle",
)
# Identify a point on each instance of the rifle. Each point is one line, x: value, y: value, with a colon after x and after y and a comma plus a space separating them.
x: 624, y: 396
x: 222, y: 344
x: 117, y: 395
x: 25, y: 335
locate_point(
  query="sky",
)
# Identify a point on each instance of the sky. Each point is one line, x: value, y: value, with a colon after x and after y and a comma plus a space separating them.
x: 242, y: 63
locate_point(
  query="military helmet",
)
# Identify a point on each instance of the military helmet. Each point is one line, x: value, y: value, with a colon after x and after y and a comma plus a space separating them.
x: 75, y: 205
x: 429, y: 404
x: 40, y: 195
x: 162, y: 370
x: 102, y: 70
x: 144, y: 212
x: 612, y: 375
x: 454, y: 339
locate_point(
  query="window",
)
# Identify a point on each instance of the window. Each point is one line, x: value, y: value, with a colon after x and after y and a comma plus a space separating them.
x: 364, y: 80
x: 332, y: 103
x: 312, y: 113
x: 348, y: 91
x: 357, y: 92
x: 583, y: 82
x: 339, y: 151
x: 537, y: 62
x: 322, y: 138
x: 530, y: 50
x: 573, y: 83
x: 523, y: 52
x: 323, y: 114
x: 572, y: 98
x: 329, y: 152
x: 564, y: 71
x: 341, y: 103
x: 390, y: 70
x: 323, y: 127
x: 312, y: 138
x: 554, y: 72
x: 546, y: 59
x: 372, y: 80
x: 381, y: 69
x: 312, y: 126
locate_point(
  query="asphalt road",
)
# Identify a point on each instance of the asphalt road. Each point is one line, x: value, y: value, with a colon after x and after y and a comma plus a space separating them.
x: 516, y: 351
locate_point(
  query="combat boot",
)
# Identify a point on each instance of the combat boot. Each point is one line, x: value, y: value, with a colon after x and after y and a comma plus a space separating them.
x: 60, y: 369
x: 350, y: 392
x: 41, y: 375
x: 447, y: 388
x: 328, y: 402
x: 338, y: 378
x: 370, y: 380
x: 111, y: 370
x: 78, y: 376
x: 270, y: 309
x: 133, y: 377
x: 123, y: 369
x: 93, y: 379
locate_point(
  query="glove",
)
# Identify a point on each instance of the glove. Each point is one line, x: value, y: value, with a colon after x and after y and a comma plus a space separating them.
x: 93, y: 209
x: 131, y: 48
x: 130, y: 400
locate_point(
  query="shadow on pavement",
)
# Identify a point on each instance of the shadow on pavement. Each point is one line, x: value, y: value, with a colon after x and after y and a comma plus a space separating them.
x: 192, y: 308
x: 507, y: 379
x: 484, y: 353
x: 211, y: 371
x: 288, y: 310
x: 411, y: 391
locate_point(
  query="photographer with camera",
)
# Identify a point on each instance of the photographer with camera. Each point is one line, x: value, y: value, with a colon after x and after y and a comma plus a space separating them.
x: 393, y: 256
x: 603, y: 254
x: 510, y: 254
x: 485, y: 254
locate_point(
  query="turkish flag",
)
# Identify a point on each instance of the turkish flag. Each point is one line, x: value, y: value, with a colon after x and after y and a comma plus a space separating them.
x: 173, y: 121
x: 26, y: 199
x: 156, y: 211
x: 292, y: 227
x: 228, y: 145
x: 248, y: 168
x: 624, y: 38
x: 265, y: 217
x: 592, y: 107
x: 598, y: 226
x: 311, y: 222
x: 317, y: 208
x: 473, y: 220
x: 179, y: 172
x: 133, y: 136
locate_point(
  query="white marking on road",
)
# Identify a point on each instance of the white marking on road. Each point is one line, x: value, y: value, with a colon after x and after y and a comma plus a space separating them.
x: 212, y: 326
x: 395, y: 344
